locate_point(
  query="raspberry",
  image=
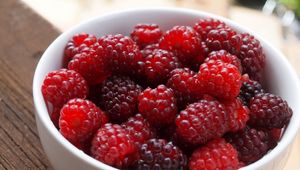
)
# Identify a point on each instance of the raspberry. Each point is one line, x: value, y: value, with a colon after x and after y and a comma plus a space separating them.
x: 112, y: 145
x: 216, y: 154
x: 122, y: 54
x: 202, y: 121
x: 160, y: 154
x: 225, y: 57
x: 59, y: 86
x: 80, y: 119
x: 158, y: 65
x: 237, y: 113
x: 252, y: 56
x: 185, y: 86
x: 249, y: 89
x: 91, y: 66
x: 139, y: 129
x: 224, y: 39
x: 54, y: 116
x: 149, y: 49
x: 158, y: 105
x: 251, y: 144
x: 184, y: 41
x: 119, y: 98
x: 78, y: 43
x: 201, y: 56
x: 269, y: 111
x: 219, y: 79
x: 145, y: 34
x: 203, y: 26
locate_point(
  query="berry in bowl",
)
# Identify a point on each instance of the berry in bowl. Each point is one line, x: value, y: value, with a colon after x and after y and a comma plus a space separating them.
x: 165, y: 88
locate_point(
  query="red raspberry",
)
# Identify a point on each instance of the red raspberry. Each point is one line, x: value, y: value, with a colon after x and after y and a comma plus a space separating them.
x: 203, y: 26
x: 216, y: 154
x: 251, y: 144
x: 252, y: 56
x: 139, y: 129
x: 119, y: 98
x: 219, y: 79
x: 80, y: 119
x: 269, y: 111
x: 238, y: 114
x: 160, y: 154
x: 224, y: 39
x: 59, y: 86
x: 184, y: 41
x: 77, y: 44
x: 54, y: 116
x: 145, y: 34
x: 122, y: 54
x: 112, y: 145
x: 149, y: 49
x: 225, y: 57
x: 201, y: 57
x: 202, y: 121
x: 91, y: 66
x: 158, y: 65
x: 158, y: 105
x: 184, y: 83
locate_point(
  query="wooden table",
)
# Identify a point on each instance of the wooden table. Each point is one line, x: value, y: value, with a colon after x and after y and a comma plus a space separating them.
x: 24, y: 37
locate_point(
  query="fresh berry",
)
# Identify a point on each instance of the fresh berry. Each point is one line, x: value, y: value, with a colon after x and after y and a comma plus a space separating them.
x: 251, y: 144
x: 184, y: 83
x: 225, y: 57
x: 216, y: 154
x: 276, y: 134
x: 91, y: 66
x: 112, y: 145
x: 80, y: 119
x: 269, y: 111
x: 122, y: 54
x: 224, y: 39
x: 199, y: 59
x: 158, y: 105
x: 184, y: 41
x: 202, y: 121
x: 149, y: 49
x: 59, y: 86
x: 249, y: 89
x: 251, y: 56
x: 160, y: 154
x: 219, y: 79
x: 139, y: 129
x: 158, y: 65
x: 145, y: 34
x: 54, y: 116
x: 79, y: 43
x: 119, y: 98
x: 203, y: 26
x: 238, y: 114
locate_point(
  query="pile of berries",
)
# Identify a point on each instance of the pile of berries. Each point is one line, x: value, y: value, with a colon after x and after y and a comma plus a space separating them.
x: 186, y: 98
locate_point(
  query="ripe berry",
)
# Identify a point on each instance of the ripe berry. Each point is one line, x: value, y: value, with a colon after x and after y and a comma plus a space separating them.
x: 112, y: 145
x: 54, y: 116
x: 145, y: 34
x: 200, y: 57
x: 216, y: 154
x: 119, y: 98
x: 80, y: 119
x: 225, y: 57
x: 219, y: 79
x: 184, y: 83
x: 203, y: 26
x: 158, y: 65
x: 184, y: 41
x: 139, y: 129
x: 224, y: 39
x: 149, y: 49
x: 158, y: 105
x: 269, y: 111
x: 202, y: 121
x: 251, y: 56
x: 59, y: 86
x: 160, y: 154
x: 249, y: 89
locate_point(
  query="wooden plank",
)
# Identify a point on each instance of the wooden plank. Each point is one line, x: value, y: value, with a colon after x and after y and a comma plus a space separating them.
x: 25, y: 35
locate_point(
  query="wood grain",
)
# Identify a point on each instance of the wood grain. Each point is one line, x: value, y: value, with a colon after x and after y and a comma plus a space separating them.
x: 24, y: 37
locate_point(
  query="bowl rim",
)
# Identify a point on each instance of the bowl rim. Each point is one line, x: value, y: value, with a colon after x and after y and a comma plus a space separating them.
x: 41, y: 109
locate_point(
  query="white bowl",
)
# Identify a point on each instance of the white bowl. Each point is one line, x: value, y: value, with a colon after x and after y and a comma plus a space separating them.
x: 280, y: 77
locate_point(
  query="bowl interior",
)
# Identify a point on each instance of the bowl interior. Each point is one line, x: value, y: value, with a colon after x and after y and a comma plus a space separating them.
x: 280, y: 77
